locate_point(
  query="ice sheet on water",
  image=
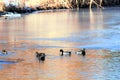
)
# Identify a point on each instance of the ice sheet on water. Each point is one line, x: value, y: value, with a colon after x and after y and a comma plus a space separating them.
x: 107, y: 38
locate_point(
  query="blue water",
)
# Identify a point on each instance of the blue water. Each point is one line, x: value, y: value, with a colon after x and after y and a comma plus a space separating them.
x: 2, y: 62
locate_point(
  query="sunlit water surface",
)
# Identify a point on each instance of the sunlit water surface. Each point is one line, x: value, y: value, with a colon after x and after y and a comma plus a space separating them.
x: 91, y: 29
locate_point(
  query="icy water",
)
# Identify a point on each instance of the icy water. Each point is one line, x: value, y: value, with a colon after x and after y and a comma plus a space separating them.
x: 96, y: 30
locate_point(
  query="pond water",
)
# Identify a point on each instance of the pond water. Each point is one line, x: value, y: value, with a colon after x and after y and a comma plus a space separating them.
x: 91, y: 29
x: 65, y: 28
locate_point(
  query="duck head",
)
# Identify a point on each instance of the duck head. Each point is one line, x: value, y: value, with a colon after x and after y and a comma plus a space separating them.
x: 61, y: 52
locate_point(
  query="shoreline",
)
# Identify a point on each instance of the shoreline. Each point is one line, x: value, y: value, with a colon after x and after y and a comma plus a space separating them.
x: 50, y: 10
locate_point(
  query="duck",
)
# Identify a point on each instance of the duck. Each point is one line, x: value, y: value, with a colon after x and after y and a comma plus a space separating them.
x: 65, y: 52
x: 40, y: 56
x: 4, y: 52
x: 82, y: 52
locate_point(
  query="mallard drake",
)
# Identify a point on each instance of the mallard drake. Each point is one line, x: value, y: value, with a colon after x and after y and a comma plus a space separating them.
x: 82, y: 52
x: 4, y: 52
x: 65, y: 52
x: 40, y: 56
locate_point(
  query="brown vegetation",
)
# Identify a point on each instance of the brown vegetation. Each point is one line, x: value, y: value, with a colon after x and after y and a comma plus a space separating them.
x: 62, y: 4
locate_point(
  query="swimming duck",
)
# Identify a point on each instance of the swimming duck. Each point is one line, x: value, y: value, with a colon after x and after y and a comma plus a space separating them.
x: 81, y: 52
x: 40, y: 56
x: 65, y: 52
x: 4, y: 52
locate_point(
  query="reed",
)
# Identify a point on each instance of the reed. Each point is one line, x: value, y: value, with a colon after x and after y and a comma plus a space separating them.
x: 60, y: 4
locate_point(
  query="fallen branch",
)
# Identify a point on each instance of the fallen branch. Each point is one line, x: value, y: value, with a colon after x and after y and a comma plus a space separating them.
x: 92, y: 1
x: 97, y: 4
